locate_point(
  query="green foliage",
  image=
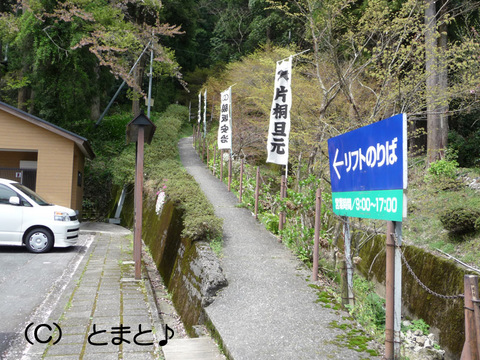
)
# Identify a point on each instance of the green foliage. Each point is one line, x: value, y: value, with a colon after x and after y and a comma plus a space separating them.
x: 162, y: 168
x: 97, y: 190
x: 419, y: 324
x: 443, y: 168
x: 464, y: 138
x: 459, y: 220
x: 298, y: 234
x: 217, y: 246
x: 107, y: 140
x: 369, y: 308
x: 442, y: 174
x: 270, y: 221
x: 63, y: 58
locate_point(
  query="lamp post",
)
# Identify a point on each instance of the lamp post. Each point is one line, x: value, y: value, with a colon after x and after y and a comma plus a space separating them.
x: 139, y: 130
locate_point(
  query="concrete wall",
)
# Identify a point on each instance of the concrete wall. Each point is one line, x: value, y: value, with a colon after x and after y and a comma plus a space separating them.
x: 446, y: 317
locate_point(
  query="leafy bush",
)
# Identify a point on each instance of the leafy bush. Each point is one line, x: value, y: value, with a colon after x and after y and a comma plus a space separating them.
x: 464, y: 137
x: 459, y: 220
x: 369, y: 308
x: 442, y: 173
x: 270, y: 221
x: 443, y: 168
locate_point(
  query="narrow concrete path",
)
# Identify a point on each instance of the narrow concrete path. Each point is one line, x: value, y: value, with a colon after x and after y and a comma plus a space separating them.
x: 202, y: 348
x: 268, y: 311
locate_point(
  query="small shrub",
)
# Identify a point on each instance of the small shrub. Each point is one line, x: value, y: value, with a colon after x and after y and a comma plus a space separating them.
x: 442, y: 174
x: 443, y: 168
x: 270, y: 221
x: 459, y: 220
x: 369, y: 308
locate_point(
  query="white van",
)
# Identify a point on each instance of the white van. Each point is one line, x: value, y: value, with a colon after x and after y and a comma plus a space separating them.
x: 27, y: 219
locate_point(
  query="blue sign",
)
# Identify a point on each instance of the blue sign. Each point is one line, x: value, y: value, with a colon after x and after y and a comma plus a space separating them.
x: 373, y: 157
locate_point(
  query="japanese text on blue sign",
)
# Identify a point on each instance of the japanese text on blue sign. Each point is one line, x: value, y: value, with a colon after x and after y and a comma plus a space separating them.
x: 370, y: 158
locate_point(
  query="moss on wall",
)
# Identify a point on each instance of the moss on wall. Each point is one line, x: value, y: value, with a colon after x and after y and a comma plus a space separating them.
x: 440, y: 275
x: 161, y: 234
x: 189, y: 268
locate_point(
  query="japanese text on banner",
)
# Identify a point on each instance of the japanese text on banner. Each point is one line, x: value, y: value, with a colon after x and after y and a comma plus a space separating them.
x: 199, y: 107
x: 205, y: 114
x: 225, y: 124
x: 279, y: 129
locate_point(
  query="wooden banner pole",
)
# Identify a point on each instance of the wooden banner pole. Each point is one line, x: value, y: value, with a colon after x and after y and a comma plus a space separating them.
x: 221, y: 165
x: 257, y: 191
x: 230, y: 171
x: 282, y: 213
x: 318, y: 215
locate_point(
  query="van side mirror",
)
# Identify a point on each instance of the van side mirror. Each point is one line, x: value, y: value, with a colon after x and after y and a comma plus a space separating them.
x: 14, y: 200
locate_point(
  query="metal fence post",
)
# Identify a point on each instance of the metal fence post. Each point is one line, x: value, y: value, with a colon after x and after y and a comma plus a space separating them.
x: 241, y: 181
x: 348, y: 260
x: 214, y: 157
x: 318, y: 214
x: 470, y: 350
x: 208, y: 156
x: 476, y: 309
x: 257, y: 191
x: 390, y: 292
x: 397, y: 302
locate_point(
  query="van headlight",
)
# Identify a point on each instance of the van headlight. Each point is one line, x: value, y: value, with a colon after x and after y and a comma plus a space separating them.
x: 61, y: 216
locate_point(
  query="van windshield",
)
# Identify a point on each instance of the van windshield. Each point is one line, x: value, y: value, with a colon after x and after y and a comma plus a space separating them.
x: 31, y: 194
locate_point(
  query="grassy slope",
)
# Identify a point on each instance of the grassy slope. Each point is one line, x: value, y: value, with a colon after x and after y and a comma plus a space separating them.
x: 423, y: 227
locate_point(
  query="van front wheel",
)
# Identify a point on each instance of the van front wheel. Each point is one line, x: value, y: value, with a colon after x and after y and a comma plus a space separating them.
x: 39, y: 240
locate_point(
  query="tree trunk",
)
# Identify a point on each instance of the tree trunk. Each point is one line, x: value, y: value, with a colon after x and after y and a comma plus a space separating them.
x: 437, y: 125
x: 32, y: 102
x: 443, y: 85
x: 95, y: 104
x: 22, y: 95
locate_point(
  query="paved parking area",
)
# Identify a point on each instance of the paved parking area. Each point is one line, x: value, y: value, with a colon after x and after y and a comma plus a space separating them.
x: 103, y: 313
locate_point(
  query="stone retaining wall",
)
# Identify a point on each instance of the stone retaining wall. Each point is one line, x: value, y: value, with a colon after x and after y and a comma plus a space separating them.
x: 446, y: 317
x: 190, y: 269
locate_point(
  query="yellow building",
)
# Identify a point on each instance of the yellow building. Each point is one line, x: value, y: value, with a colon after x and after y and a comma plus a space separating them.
x: 48, y: 159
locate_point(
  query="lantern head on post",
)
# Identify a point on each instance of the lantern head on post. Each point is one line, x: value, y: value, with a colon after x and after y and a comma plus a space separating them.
x: 140, y: 120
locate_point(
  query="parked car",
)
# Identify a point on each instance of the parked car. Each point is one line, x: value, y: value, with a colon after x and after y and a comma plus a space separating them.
x: 27, y: 219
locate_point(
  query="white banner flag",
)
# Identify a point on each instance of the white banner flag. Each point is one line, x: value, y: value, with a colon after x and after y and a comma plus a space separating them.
x: 205, y: 114
x: 225, y: 123
x: 279, y: 129
x: 199, y: 107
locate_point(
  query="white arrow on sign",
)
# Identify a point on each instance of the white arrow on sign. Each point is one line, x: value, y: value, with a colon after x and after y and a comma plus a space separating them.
x: 337, y: 163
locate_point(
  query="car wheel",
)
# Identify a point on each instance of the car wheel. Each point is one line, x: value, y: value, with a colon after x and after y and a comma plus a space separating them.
x: 39, y: 240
